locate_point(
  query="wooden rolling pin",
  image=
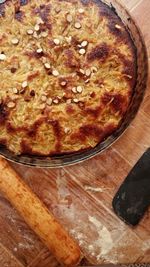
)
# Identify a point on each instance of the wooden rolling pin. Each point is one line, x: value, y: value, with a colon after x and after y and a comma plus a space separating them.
x: 38, y: 217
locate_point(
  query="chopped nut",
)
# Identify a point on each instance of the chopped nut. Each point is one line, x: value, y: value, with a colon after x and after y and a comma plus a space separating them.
x: 81, y: 10
x: 39, y: 21
x: 35, y: 35
x: 79, y: 46
x: 68, y: 39
x: 37, y: 27
x: 2, y: 57
x: 55, y: 73
x: 43, y: 98
x: 86, y: 81
x: 84, y: 43
x: 49, y: 101
x: 74, y: 90
x: 88, y: 72
x: 68, y: 101
x: 79, y: 89
x: 47, y: 66
x: 24, y: 84
x: 11, y: 105
x: 63, y: 83
x: 15, y: 41
x: 77, y: 25
x: 57, y: 9
x: 15, y: 90
x: 75, y: 100
x: 44, y: 34
x: 69, y: 18
x: 117, y: 26
x: 82, y: 71
x: 94, y: 69
x: 82, y: 51
x: 42, y: 106
x: 39, y: 50
x: 30, y: 31
x: 56, y: 101
x: 56, y: 41
x: 67, y: 130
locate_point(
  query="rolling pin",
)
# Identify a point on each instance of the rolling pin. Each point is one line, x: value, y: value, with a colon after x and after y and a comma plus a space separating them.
x: 38, y: 217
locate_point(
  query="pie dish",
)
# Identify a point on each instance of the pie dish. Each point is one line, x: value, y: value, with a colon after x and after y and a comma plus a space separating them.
x: 68, y: 74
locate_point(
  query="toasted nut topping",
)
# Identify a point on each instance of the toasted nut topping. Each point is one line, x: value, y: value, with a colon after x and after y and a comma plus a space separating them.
x: 49, y: 101
x: 44, y: 34
x: 84, y: 43
x: 2, y: 57
x: 79, y: 89
x: 55, y: 73
x: 87, y: 80
x: 47, y: 66
x: 68, y: 101
x: 44, y: 59
x: 37, y: 27
x: 117, y: 26
x: 77, y: 25
x: 82, y: 71
x: 43, y: 98
x: 56, y: 101
x: 74, y: 90
x: 63, y: 83
x: 42, y: 106
x: 88, y: 72
x: 15, y: 41
x: 68, y: 39
x: 94, y: 69
x: 40, y: 21
x: 82, y: 51
x: 15, y: 90
x: 57, y: 9
x: 24, y: 84
x: 75, y: 100
x: 30, y: 31
x: 69, y: 18
x: 56, y: 41
x: 81, y: 10
x: 11, y: 105
x: 39, y: 50
x: 67, y: 130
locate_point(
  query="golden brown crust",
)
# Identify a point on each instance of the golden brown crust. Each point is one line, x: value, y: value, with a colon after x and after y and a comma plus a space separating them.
x: 67, y: 71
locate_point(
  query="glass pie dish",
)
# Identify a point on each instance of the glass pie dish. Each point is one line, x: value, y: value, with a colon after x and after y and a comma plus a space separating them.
x: 139, y: 90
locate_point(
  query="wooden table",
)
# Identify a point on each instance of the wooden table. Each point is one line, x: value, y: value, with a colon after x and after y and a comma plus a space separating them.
x: 80, y: 196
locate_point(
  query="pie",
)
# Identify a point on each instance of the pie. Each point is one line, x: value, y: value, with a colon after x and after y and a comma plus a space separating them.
x: 67, y: 74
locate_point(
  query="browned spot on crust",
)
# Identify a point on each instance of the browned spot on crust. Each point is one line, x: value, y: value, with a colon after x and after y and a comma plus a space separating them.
x: 71, y: 60
x: 117, y: 102
x: 19, y: 15
x: 33, y: 75
x: 70, y: 109
x: 44, y: 12
x: 99, y: 52
x: 91, y: 130
x: 34, y: 128
x: 34, y: 54
x: 3, y: 113
x: 94, y: 112
x: 57, y: 131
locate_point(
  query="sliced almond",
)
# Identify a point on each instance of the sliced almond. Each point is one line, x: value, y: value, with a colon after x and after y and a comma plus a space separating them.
x: 44, y: 98
x: 77, y: 25
x: 44, y: 34
x: 39, y: 21
x: 117, y: 26
x: 69, y: 18
x: 82, y: 71
x: 88, y: 72
x: 24, y: 84
x: 55, y: 73
x: 15, y: 90
x: 47, y: 66
x: 68, y: 101
x: 86, y: 81
x: 37, y: 27
x: 74, y: 90
x: 57, y: 9
x: 84, y: 43
x: 2, y: 57
x: 56, y: 41
x: 67, y: 130
x: 75, y: 100
x: 56, y: 101
x: 11, y: 105
x: 68, y: 39
x: 82, y: 51
x: 49, y: 101
x: 30, y: 31
x: 81, y: 10
x: 15, y: 41
x: 79, y: 89
x: 63, y: 83
x: 94, y: 69
x: 39, y: 50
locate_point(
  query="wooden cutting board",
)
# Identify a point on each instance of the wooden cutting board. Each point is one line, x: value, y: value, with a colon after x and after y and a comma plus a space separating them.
x: 80, y: 196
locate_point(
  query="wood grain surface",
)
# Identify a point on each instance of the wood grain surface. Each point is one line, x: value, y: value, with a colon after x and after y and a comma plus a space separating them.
x: 80, y: 196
